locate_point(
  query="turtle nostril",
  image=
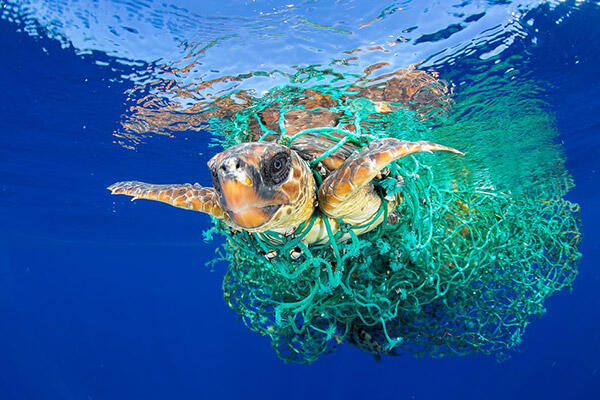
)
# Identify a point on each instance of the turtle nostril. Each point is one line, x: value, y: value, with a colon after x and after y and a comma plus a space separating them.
x: 231, y: 165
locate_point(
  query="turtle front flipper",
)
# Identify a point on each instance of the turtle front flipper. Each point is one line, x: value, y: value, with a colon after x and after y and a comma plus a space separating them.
x: 348, y: 194
x: 191, y: 197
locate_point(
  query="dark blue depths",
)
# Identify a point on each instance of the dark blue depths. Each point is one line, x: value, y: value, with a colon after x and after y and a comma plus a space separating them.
x: 99, y: 303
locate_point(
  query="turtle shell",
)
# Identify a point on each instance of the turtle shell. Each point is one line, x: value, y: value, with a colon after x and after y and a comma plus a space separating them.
x: 303, y: 109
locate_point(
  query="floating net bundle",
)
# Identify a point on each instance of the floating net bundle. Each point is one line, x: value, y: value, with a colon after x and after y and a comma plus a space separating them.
x: 465, y: 268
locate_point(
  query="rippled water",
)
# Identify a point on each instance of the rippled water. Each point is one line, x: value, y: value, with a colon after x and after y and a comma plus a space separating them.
x: 103, y: 299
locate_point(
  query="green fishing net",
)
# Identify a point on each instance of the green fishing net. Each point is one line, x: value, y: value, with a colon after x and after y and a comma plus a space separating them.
x: 480, y: 243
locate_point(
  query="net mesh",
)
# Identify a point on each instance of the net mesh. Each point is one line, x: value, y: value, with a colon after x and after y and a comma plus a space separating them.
x: 468, y: 265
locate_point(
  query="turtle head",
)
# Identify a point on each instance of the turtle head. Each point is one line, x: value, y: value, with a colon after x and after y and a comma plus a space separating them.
x: 263, y: 186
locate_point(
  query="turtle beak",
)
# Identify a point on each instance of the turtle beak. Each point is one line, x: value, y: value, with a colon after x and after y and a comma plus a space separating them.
x: 238, y: 196
x: 243, y: 204
x: 234, y: 184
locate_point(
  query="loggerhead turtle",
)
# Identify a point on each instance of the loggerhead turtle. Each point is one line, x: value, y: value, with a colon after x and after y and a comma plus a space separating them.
x: 262, y: 186
x: 266, y: 186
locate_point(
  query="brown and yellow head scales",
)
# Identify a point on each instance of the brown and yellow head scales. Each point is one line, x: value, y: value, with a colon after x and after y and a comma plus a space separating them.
x: 263, y: 186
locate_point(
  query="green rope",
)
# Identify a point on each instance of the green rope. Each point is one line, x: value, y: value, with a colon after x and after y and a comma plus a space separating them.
x: 466, y: 268
x: 329, y: 152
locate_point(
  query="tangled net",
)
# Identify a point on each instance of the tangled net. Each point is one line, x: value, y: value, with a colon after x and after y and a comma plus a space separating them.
x: 466, y: 268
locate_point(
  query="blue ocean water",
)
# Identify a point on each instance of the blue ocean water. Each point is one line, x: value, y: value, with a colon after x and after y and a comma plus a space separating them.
x: 105, y: 299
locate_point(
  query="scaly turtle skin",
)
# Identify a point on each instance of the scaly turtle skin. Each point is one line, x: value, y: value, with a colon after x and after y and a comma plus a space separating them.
x: 262, y: 186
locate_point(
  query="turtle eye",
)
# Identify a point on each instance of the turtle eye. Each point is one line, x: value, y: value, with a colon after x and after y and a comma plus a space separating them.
x: 277, y: 168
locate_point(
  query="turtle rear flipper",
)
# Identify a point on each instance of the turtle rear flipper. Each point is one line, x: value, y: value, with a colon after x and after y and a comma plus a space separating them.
x: 191, y: 197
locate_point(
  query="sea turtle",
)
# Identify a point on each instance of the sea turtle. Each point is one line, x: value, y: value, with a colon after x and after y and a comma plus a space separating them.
x: 267, y: 186
x: 261, y: 186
